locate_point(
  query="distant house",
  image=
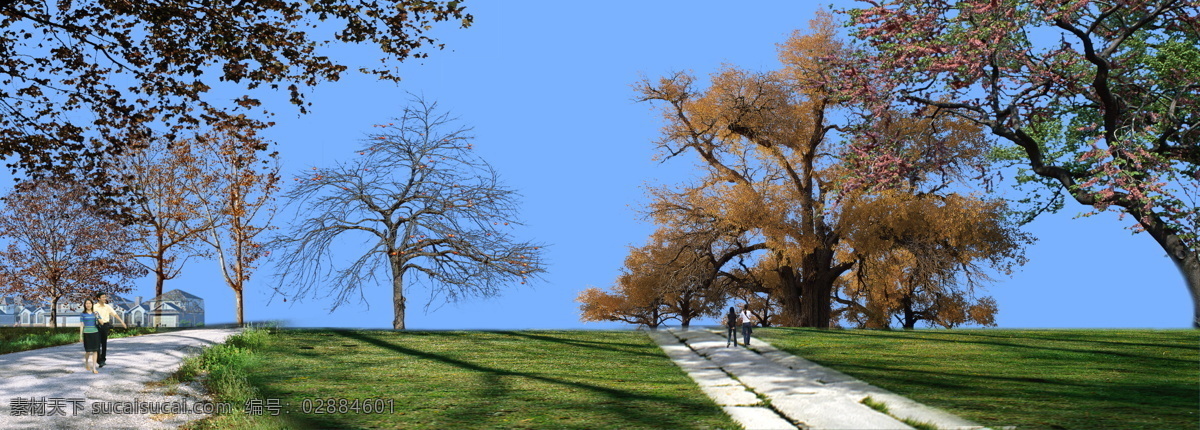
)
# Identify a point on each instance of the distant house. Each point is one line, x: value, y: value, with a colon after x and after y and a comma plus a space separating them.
x: 175, y: 308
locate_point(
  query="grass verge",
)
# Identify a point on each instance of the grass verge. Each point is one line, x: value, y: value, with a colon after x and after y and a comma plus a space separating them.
x: 17, y: 339
x: 458, y: 379
x: 874, y: 404
x: 222, y: 369
x: 1048, y: 379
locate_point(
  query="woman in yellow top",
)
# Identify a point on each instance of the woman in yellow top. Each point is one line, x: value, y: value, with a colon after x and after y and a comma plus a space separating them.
x: 89, y: 335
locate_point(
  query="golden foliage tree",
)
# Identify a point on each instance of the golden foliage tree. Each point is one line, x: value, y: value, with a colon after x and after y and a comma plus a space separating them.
x: 634, y: 300
x: 670, y: 277
x: 762, y: 138
x: 777, y: 178
x: 923, y: 256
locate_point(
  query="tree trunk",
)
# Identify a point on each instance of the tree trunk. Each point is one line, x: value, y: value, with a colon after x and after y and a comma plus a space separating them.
x: 1185, y: 259
x: 817, y: 288
x: 398, y: 293
x: 156, y: 308
x: 53, y: 313
x: 910, y: 316
x: 685, y: 310
x: 815, y: 309
x: 1191, y: 274
x: 237, y: 297
x: 791, y: 297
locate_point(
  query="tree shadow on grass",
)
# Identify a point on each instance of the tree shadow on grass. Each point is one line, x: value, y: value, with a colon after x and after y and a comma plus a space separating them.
x: 1059, y: 339
x: 608, y: 346
x: 924, y: 338
x: 480, y: 409
x: 984, y: 392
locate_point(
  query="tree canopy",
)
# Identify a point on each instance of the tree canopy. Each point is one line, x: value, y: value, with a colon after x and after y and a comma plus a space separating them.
x: 1098, y: 101
x: 430, y: 208
x: 788, y: 187
x: 78, y: 79
x: 61, y: 248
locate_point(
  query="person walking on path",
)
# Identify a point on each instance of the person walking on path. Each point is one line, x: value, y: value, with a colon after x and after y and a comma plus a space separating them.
x: 731, y: 323
x: 106, y: 313
x: 89, y: 335
x: 747, y: 323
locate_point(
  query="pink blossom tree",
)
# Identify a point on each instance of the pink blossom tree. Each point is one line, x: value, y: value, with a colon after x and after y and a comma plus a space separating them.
x: 1095, y: 100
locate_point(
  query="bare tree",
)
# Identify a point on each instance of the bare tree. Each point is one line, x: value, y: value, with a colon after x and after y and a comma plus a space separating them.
x: 427, y: 206
x: 61, y: 248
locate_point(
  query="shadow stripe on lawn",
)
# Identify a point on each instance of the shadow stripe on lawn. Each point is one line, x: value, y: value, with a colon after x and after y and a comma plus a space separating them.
x: 493, y: 374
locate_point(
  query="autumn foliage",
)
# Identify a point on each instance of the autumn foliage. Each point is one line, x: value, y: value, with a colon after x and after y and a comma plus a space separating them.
x: 78, y: 78
x: 671, y: 277
x: 235, y: 197
x: 783, y: 187
x: 60, y: 248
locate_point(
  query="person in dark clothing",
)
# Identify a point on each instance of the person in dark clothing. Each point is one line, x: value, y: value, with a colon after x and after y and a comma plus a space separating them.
x: 104, y: 314
x: 731, y: 323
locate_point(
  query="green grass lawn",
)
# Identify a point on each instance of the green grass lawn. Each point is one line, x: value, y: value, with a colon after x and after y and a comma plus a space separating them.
x: 16, y: 339
x: 479, y: 379
x: 1038, y: 379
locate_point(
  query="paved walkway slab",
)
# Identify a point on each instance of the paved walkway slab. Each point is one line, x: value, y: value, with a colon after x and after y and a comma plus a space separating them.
x: 53, y: 385
x: 801, y: 394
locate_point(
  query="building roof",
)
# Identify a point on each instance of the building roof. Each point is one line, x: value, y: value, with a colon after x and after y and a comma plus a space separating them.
x: 177, y: 295
x: 173, y: 302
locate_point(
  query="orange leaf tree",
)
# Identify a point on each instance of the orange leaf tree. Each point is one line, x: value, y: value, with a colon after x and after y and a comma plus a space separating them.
x: 923, y: 256
x: 671, y: 277
x: 235, y: 197
x: 761, y: 137
x: 634, y: 300
x: 61, y: 248
x: 161, y: 182
x: 430, y: 208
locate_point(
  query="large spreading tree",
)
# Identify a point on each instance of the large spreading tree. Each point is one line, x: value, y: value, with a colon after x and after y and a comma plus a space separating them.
x: 1098, y: 101
x: 77, y: 78
x: 762, y: 140
x: 779, y: 176
x: 429, y: 208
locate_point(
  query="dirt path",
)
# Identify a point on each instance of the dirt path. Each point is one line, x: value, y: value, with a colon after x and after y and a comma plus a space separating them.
x: 49, y: 388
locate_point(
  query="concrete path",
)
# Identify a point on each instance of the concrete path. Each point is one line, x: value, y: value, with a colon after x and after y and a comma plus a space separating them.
x: 49, y: 388
x: 764, y: 388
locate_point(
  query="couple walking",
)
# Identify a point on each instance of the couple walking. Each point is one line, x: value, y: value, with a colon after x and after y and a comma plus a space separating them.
x: 734, y: 319
x: 94, y: 325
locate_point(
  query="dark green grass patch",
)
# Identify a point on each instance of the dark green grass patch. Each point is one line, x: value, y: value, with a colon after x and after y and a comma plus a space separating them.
x: 17, y: 339
x: 1041, y: 379
x: 458, y: 379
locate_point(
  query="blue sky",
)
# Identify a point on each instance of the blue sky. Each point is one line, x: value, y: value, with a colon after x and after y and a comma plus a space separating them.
x: 547, y: 88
